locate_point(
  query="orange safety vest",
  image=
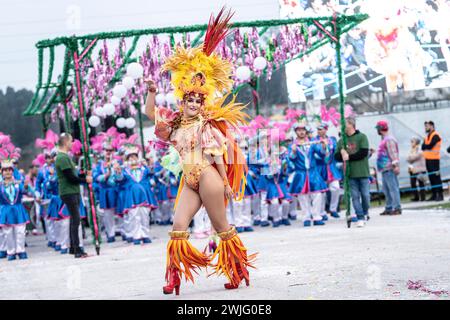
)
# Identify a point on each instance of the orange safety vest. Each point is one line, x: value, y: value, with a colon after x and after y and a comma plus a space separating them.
x: 435, y: 152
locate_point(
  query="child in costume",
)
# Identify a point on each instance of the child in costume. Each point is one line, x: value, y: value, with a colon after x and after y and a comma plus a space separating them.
x: 283, y: 177
x: 274, y: 194
x: 261, y: 216
x: 44, y: 191
x: 13, y: 216
x: 242, y: 209
x: 307, y: 183
x: 137, y: 198
x: 214, y: 168
x: 123, y: 221
x: 329, y: 171
x: 107, y: 191
x: 253, y: 176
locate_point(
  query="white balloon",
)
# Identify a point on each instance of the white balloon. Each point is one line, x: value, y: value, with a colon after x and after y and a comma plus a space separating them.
x: 160, y: 99
x: 99, y: 111
x: 109, y: 109
x: 259, y: 63
x: 120, y: 91
x: 115, y: 101
x: 135, y: 70
x: 94, y: 121
x: 243, y: 73
x: 130, y: 123
x: 128, y: 82
x: 170, y: 98
x: 120, y: 122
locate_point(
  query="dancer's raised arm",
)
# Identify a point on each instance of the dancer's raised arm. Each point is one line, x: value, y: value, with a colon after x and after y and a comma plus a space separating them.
x: 150, y: 101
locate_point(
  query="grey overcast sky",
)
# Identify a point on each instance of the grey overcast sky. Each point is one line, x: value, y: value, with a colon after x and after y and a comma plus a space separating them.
x: 24, y: 22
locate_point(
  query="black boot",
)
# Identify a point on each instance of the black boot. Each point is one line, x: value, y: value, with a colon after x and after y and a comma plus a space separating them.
x: 440, y: 197
x: 79, y: 253
x: 422, y: 195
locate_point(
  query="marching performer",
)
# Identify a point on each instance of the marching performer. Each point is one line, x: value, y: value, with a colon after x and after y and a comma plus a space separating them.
x: 13, y: 216
x: 138, y: 197
x: 213, y: 165
x: 283, y: 178
x: 107, y: 191
x: 122, y: 219
x: 243, y: 208
x: 261, y: 216
x: 253, y: 176
x: 45, y: 190
x: 274, y: 194
x: 307, y: 183
x: 329, y: 171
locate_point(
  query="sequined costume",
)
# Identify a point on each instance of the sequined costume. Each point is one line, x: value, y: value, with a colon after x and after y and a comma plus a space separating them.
x: 200, y: 141
x: 196, y: 141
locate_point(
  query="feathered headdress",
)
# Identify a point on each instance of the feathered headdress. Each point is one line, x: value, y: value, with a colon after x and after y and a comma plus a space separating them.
x: 7, y: 164
x: 39, y: 160
x: 200, y: 70
x: 131, y: 149
x: 7, y: 150
x: 203, y: 72
x: 49, y: 142
x: 76, y: 147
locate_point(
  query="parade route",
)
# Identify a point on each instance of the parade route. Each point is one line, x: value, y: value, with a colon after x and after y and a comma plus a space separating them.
x: 329, y: 262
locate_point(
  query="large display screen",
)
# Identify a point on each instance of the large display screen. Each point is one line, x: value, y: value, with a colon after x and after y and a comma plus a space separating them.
x: 404, y: 45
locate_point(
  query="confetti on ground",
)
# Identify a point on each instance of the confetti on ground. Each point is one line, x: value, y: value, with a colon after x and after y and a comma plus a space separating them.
x: 420, y: 285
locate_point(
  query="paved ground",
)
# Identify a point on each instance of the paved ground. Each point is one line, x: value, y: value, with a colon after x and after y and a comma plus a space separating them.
x: 330, y: 262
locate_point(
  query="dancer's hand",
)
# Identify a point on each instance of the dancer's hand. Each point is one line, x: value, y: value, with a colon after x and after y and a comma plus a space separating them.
x: 151, y: 87
x: 228, y: 192
x: 117, y: 168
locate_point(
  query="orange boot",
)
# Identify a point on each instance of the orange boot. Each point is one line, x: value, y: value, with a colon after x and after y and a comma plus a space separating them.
x: 232, y: 259
x: 182, y: 258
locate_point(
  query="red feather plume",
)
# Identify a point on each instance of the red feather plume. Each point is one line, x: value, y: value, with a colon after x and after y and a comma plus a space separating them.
x: 218, y: 29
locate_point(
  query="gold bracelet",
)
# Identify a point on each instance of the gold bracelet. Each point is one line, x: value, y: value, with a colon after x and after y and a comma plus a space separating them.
x: 225, y: 182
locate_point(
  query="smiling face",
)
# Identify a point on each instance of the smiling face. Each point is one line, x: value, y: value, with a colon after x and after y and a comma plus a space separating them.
x: 7, y: 173
x: 133, y: 161
x: 34, y: 170
x: 192, y: 104
x: 107, y: 152
x: 301, y: 133
x: 48, y: 159
x: 322, y: 132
